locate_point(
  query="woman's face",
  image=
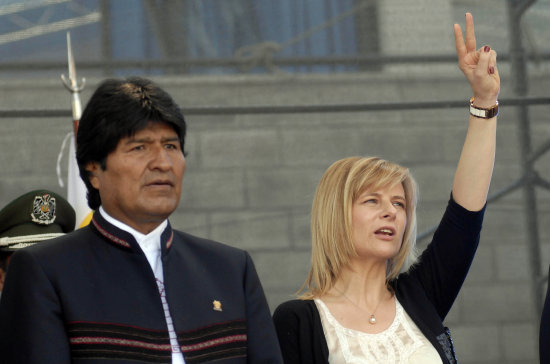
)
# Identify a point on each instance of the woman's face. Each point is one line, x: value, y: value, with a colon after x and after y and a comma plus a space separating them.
x: 379, y: 218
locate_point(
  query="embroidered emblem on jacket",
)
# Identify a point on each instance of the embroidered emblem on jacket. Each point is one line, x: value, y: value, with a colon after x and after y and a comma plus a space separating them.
x: 216, y: 305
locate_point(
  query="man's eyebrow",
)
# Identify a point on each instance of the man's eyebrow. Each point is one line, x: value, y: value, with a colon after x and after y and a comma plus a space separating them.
x: 149, y: 140
x: 134, y: 140
x: 170, y: 139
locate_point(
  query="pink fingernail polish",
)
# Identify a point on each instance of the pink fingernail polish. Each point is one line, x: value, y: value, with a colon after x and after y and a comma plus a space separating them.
x: 486, y: 49
x: 491, y: 70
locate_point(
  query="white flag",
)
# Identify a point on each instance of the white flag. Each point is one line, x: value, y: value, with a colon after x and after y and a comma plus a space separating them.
x: 76, y: 189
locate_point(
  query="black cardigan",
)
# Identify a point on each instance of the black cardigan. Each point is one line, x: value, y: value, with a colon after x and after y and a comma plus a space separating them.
x: 426, y: 292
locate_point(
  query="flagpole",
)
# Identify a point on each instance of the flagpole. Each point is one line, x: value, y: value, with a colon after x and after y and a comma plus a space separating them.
x: 76, y: 190
x: 72, y: 85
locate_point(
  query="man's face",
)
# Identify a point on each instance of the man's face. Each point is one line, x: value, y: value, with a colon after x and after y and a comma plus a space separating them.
x: 141, y: 183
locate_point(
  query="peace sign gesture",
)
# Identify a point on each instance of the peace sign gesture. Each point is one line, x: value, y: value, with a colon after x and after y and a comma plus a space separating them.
x: 479, y: 65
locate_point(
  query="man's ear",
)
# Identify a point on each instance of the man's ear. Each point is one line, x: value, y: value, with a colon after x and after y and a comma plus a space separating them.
x: 93, y: 169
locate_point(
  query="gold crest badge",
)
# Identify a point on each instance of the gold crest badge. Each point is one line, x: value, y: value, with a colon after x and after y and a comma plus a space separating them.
x: 217, y: 305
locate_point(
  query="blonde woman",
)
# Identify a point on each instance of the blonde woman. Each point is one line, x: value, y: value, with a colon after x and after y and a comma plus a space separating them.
x: 364, y: 301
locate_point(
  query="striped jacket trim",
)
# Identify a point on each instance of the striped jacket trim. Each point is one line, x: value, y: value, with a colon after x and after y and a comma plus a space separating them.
x: 170, y: 240
x: 120, y: 342
x: 110, y: 236
x: 96, y: 340
x: 215, y: 342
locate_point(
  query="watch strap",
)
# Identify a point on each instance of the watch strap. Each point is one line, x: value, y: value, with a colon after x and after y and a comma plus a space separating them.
x: 484, y: 113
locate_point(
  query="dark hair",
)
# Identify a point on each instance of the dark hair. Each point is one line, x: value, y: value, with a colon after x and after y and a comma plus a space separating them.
x: 118, y: 109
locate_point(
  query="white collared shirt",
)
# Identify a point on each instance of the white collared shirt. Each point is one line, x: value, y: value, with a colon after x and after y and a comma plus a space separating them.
x: 150, y: 245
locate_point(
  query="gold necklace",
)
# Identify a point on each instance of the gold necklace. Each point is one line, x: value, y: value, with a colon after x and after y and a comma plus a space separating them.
x: 372, y: 318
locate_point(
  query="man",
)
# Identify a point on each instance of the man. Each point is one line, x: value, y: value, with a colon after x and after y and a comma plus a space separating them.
x: 128, y: 288
x: 31, y: 218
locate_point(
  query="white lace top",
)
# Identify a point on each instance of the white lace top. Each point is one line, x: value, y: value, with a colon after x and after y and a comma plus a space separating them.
x: 401, y: 343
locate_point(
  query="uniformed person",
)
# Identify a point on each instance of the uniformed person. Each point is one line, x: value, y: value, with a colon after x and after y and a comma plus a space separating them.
x: 29, y: 219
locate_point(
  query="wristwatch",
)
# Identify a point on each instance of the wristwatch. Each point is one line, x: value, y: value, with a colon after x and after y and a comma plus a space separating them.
x: 483, y: 113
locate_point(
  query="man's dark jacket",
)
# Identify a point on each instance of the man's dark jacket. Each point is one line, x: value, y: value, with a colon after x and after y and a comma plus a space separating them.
x: 91, y: 297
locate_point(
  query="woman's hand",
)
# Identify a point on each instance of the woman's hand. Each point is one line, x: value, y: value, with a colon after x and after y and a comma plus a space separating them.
x: 479, y: 65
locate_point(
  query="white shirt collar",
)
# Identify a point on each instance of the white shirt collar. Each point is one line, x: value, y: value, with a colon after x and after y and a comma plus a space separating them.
x: 146, y: 242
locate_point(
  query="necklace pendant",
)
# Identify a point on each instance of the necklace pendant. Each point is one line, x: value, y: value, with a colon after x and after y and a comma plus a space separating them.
x: 372, y: 320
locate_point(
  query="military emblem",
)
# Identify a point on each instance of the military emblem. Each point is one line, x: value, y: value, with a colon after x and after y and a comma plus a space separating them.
x: 43, y: 209
x: 217, y: 305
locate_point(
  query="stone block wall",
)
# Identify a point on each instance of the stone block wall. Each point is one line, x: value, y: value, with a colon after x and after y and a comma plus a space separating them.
x: 250, y: 178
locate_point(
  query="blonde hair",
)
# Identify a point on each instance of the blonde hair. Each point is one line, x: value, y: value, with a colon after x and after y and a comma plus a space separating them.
x: 331, y: 219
